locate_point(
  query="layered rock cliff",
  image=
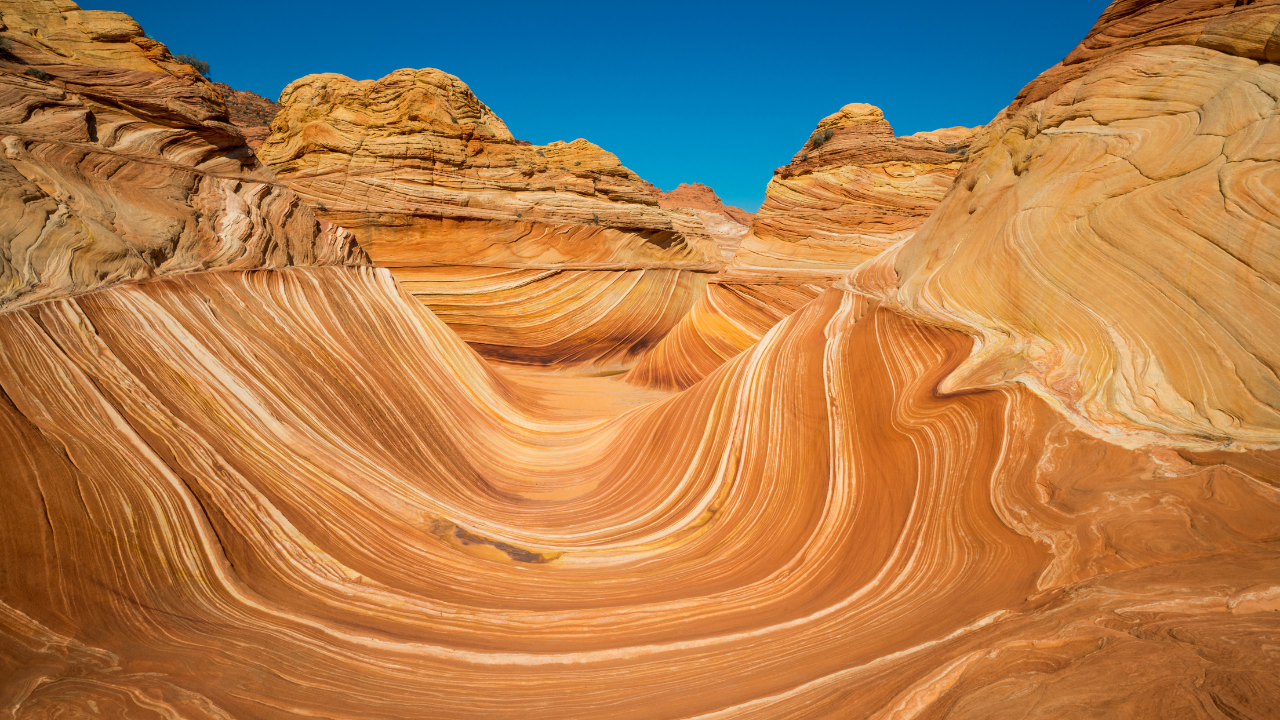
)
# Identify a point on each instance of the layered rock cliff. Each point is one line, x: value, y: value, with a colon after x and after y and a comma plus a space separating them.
x: 536, y: 254
x: 275, y: 484
x: 851, y: 191
x: 425, y: 174
x: 119, y: 165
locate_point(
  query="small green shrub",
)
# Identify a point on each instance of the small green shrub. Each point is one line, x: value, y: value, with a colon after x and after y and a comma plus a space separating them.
x: 39, y: 74
x: 196, y: 63
x: 820, y: 137
x: 6, y: 50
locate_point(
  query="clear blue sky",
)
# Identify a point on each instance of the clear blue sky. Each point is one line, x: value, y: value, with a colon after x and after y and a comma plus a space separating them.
x: 719, y: 93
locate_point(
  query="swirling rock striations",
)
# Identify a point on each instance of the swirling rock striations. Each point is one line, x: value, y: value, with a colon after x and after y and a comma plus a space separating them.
x: 428, y: 177
x: 294, y: 491
x: 1114, y: 244
x: 851, y: 191
x: 119, y: 165
x: 727, y: 319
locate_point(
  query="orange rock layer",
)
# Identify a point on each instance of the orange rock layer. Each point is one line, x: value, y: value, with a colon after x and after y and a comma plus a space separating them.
x: 850, y: 192
x: 1113, y: 244
x: 272, y: 482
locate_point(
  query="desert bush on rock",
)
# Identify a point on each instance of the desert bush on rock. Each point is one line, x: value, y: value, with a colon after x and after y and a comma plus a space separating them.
x: 196, y: 63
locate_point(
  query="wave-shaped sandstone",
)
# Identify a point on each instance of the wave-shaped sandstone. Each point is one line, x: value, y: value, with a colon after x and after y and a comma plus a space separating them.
x: 265, y: 479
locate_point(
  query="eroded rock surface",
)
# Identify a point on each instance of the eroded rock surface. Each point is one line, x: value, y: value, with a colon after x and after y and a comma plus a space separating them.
x: 850, y: 192
x: 1114, y: 243
x: 255, y: 486
x: 437, y: 189
x: 250, y: 112
x: 727, y: 225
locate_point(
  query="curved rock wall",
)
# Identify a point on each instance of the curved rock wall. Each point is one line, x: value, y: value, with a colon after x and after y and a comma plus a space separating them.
x: 268, y: 490
x: 1114, y: 244
x: 119, y: 165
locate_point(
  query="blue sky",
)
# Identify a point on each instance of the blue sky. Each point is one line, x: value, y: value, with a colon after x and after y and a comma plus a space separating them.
x: 719, y: 93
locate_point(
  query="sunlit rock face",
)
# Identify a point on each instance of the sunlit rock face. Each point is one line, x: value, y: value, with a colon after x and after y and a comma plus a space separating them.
x: 428, y: 177
x: 1114, y: 243
x: 254, y: 488
x: 851, y: 191
x: 119, y: 165
x: 727, y: 225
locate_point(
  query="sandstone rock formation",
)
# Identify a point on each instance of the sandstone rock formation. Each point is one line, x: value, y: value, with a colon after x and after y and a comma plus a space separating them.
x: 851, y: 191
x: 119, y: 166
x: 1112, y: 239
x: 432, y: 183
x: 425, y: 174
x: 250, y: 112
x: 272, y: 483
x: 725, y: 224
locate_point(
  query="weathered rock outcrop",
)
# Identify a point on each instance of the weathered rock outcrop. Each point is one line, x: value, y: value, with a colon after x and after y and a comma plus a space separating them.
x: 1114, y: 242
x: 250, y: 112
x: 425, y: 174
x: 294, y: 492
x: 850, y: 192
x: 437, y: 189
x: 119, y: 166
x: 727, y: 225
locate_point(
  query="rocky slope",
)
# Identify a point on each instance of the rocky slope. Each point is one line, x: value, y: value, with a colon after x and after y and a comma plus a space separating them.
x: 851, y: 191
x: 727, y: 225
x: 269, y: 482
x: 432, y: 182
x: 250, y: 112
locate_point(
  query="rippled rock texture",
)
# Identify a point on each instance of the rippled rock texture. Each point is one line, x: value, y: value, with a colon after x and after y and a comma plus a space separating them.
x: 437, y: 189
x: 851, y: 191
x: 1115, y: 244
x: 258, y: 488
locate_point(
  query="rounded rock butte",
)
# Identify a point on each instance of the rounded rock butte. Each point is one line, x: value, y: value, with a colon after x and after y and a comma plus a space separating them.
x: 1021, y: 462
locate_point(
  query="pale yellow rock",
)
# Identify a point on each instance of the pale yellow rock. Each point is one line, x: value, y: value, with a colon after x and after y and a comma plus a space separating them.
x: 1116, y: 246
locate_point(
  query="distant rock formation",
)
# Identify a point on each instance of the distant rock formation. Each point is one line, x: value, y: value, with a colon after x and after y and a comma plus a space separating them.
x: 852, y: 190
x: 535, y: 254
x: 250, y: 112
x: 425, y: 174
x: 725, y: 224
